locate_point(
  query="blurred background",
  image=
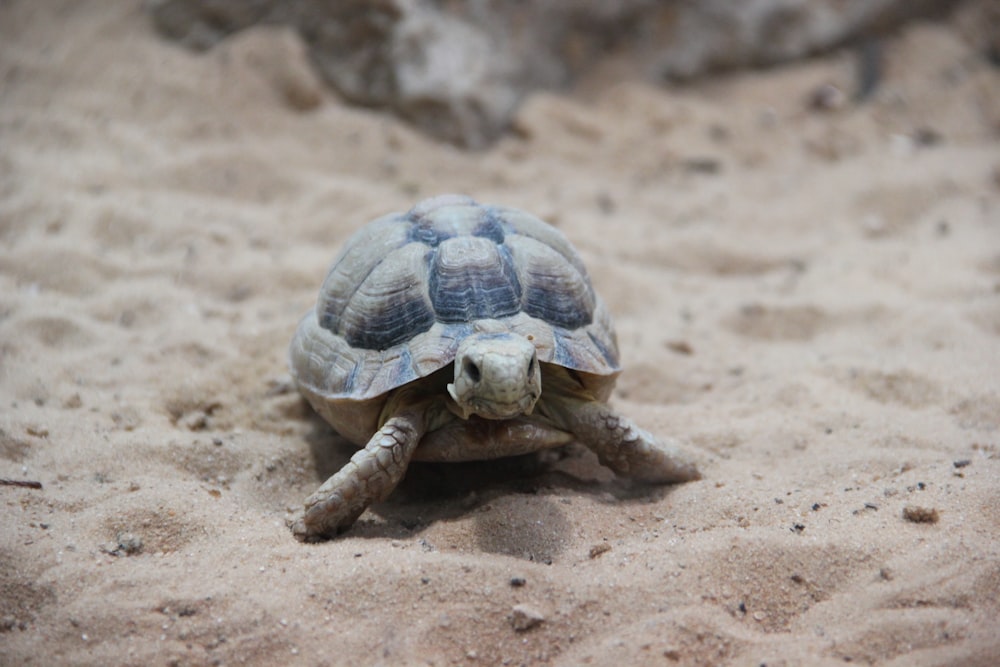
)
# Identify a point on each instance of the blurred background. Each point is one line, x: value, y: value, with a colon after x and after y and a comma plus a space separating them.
x: 791, y: 208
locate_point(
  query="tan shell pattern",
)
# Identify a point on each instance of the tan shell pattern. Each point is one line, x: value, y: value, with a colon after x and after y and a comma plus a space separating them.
x: 407, y: 288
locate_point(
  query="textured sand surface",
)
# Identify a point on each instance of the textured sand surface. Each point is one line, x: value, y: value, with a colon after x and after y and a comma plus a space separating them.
x: 811, y: 298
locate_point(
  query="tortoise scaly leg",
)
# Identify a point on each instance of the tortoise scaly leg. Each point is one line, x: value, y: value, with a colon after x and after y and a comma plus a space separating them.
x: 369, y: 477
x: 628, y: 450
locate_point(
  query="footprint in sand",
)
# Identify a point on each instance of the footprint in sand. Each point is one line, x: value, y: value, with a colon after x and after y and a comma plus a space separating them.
x: 901, y: 387
x: 779, y: 323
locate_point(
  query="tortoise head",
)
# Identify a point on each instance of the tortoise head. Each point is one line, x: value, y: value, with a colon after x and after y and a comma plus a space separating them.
x: 496, y: 376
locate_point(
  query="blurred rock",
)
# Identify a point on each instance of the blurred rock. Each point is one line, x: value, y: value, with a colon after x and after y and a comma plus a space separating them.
x: 525, y: 617
x: 449, y: 77
x: 979, y: 23
x: 459, y: 70
x: 199, y: 24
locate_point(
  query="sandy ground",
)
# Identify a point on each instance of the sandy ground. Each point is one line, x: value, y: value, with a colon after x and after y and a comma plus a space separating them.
x: 811, y: 298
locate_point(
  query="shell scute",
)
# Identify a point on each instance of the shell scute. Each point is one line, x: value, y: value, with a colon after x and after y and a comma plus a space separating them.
x: 361, y: 255
x: 556, y: 291
x: 473, y: 278
x: 389, y: 307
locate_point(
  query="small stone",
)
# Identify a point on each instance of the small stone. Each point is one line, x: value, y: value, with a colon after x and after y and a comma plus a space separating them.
x: 680, y: 347
x: 827, y: 97
x: 524, y: 617
x: 126, y: 418
x: 916, y: 514
x: 129, y: 544
x: 605, y: 203
x: 517, y: 582
x: 927, y: 136
x: 599, y: 549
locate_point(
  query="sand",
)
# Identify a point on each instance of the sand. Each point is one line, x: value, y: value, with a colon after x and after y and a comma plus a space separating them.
x: 810, y: 298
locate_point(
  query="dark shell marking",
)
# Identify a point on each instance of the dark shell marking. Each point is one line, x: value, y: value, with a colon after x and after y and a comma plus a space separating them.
x: 408, y: 287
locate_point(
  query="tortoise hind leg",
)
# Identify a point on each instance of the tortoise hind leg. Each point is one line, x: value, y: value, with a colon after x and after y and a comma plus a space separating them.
x: 626, y: 448
x: 370, y: 476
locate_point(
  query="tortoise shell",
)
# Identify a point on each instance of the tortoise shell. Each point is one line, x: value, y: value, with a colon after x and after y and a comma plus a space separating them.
x: 408, y: 287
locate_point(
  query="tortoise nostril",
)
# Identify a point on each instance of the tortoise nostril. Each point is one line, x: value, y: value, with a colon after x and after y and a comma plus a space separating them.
x: 471, y: 370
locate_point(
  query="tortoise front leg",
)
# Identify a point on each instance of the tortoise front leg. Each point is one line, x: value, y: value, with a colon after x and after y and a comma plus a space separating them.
x: 369, y: 477
x: 624, y: 447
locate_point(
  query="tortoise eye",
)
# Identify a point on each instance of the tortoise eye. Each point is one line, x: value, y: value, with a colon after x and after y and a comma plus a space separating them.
x: 471, y: 370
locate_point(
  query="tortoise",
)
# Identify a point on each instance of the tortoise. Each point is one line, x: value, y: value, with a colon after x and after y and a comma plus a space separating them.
x: 456, y: 332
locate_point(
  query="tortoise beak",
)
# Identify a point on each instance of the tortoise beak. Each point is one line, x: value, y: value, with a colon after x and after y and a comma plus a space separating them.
x: 457, y: 408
